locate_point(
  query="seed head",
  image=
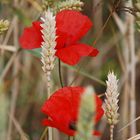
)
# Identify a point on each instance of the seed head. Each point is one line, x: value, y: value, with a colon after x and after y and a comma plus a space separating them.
x: 4, y: 24
x: 49, y: 43
x: 111, y: 101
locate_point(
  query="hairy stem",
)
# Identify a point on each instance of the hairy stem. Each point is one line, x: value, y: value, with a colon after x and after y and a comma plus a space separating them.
x: 111, y: 132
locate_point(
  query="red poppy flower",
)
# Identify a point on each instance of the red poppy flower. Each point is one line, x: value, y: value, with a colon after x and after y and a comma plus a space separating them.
x: 62, y: 109
x: 71, y: 27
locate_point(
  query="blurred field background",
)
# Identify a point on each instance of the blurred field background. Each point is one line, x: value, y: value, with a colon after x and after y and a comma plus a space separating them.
x: 22, y: 84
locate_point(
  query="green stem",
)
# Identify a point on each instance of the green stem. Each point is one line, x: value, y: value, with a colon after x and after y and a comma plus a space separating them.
x: 77, y: 75
x: 60, y: 76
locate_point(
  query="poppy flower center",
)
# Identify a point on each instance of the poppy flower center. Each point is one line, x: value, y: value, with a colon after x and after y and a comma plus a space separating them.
x: 72, y: 125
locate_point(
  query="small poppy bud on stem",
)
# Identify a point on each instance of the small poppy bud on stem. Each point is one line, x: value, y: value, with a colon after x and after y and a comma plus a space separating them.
x: 86, y: 114
x: 111, y: 102
x: 48, y: 45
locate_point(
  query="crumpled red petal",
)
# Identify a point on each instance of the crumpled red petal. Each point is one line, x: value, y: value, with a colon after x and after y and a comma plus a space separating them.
x: 72, y: 54
x: 72, y: 25
x: 63, y: 106
x: 50, y: 109
x: 31, y: 37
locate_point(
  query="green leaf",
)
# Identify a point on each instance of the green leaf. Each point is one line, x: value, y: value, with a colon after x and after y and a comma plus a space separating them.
x: 85, y: 74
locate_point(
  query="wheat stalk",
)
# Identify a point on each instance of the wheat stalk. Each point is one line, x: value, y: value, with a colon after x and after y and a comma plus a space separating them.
x: 111, y: 102
x: 86, y: 113
x: 48, y: 45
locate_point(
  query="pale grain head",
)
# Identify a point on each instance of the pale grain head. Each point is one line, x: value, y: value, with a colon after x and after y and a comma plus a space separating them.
x: 48, y: 45
x: 111, y: 101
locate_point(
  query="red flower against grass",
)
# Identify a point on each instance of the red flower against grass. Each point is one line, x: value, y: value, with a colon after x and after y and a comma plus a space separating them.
x: 71, y: 27
x: 62, y: 109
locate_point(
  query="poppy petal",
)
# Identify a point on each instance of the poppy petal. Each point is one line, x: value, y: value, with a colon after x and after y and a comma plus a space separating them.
x: 99, y: 109
x: 31, y: 37
x: 73, y: 25
x: 61, y: 40
x: 94, y: 52
x: 63, y: 106
x: 50, y: 110
x: 97, y: 133
x: 47, y: 122
x: 71, y: 55
x: 72, y: 95
x: 99, y: 115
x: 62, y: 128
